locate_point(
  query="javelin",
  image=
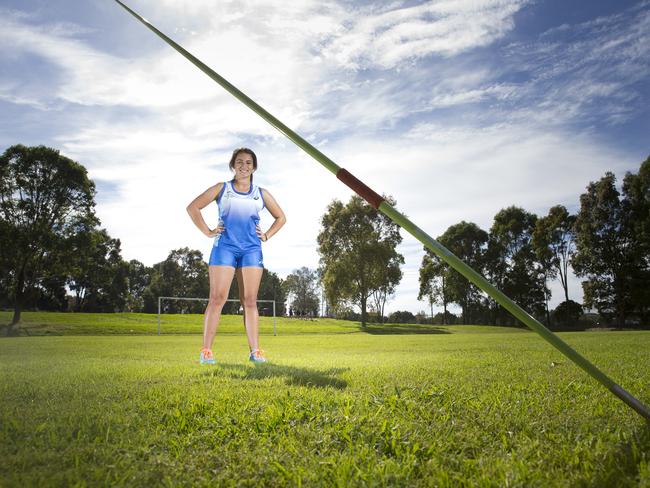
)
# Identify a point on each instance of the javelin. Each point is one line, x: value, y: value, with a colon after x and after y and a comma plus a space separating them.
x: 378, y: 202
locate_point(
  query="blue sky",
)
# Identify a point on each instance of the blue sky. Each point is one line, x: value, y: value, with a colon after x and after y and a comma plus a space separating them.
x: 456, y: 108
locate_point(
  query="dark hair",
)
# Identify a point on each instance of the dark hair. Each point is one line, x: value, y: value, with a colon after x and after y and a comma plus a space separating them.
x: 231, y: 165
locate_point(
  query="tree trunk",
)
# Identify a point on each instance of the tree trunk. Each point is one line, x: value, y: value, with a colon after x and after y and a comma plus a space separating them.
x: 17, y: 311
x: 546, y: 297
x: 19, y: 293
x: 363, y: 311
x: 548, y: 315
x: 566, y: 291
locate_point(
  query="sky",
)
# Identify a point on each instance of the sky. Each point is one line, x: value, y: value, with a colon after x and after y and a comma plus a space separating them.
x: 455, y: 108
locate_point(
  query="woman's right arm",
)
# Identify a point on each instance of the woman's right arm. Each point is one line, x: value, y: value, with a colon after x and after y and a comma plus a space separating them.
x: 202, y: 201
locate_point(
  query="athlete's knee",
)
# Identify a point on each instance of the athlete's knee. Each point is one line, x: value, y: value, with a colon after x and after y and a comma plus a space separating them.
x: 249, y: 300
x: 217, y: 299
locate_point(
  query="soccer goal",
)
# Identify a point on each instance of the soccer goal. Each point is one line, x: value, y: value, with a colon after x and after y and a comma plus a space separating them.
x: 160, y: 300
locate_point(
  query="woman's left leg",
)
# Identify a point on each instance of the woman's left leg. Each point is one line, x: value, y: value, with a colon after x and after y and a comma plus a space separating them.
x: 251, y: 277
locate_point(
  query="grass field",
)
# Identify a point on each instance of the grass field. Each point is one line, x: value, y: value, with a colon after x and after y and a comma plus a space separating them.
x: 336, y: 406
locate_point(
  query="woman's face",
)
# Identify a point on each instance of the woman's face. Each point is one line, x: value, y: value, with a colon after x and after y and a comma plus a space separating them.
x: 243, y: 165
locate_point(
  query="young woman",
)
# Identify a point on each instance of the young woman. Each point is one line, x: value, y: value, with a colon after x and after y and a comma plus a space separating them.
x: 237, y: 247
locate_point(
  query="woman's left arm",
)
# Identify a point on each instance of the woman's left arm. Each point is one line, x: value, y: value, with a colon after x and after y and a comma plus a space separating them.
x: 278, y: 214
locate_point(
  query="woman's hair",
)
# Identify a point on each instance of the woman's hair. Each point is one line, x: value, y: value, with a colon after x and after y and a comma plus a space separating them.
x: 231, y: 165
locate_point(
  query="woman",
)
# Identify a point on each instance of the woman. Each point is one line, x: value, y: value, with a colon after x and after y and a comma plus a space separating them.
x: 237, y: 247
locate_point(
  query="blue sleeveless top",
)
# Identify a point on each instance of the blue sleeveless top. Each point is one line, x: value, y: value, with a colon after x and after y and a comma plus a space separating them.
x: 239, y: 213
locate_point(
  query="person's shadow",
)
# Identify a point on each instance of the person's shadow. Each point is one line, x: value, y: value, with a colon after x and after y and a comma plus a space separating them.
x: 293, y: 375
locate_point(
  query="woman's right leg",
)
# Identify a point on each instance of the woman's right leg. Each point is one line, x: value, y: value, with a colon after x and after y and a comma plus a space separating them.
x: 240, y: 287
x: 220, y: 279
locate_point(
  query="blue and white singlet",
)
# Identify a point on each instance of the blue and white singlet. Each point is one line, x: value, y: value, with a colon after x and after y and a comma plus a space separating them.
x: 238, y: 245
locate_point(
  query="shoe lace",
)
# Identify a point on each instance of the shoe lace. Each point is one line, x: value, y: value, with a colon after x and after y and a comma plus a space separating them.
x: 207, y: 353
x: 258, y: 353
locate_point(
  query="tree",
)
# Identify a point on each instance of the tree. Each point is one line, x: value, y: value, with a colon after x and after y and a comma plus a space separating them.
x: 554, y: 241
x: 554, y: 244
x: 98, y: 276
x: 387, y: 278
x: 138, y: 278
x: 467, y: 241
x: 612, y: 246
x: 495, y: 269
x: 355, y: 243
x: 433, y: 281
x: 183, y: 274
x: 636, y: 203
x: 516, y: 263
x: 301, y: 286
x: 43, y: 198
x: 568, y: 313
x: 603, y: 254
x: 401, y: 317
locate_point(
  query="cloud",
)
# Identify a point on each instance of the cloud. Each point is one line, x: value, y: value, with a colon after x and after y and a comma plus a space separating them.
x: 585, y: 73
x: 395, y: 35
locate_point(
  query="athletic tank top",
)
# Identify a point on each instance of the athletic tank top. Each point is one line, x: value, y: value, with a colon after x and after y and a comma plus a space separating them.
x: 239, y: 213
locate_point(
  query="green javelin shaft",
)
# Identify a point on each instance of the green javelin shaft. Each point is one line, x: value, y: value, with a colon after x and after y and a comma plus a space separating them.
x: 379, y: 203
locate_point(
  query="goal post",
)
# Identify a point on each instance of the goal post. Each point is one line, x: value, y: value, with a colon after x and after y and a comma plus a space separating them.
x: 160, y: 299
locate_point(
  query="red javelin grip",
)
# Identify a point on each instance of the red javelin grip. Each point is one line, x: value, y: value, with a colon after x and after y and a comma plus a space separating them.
x: 360, y: 188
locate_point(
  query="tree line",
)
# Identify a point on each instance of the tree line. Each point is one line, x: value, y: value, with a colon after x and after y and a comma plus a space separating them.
x: 607, y: 244
x: 55, y: 256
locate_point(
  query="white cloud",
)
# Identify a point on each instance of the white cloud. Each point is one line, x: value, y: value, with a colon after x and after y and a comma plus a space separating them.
x: 585, y: 73
x: 390, y: 37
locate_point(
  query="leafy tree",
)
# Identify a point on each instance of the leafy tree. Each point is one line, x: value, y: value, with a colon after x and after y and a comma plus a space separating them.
x: 433, y: 281
x: 387, y: 278
x: 554, y: 240
x: 401, y: 317
x: 52, y: 294
x: 138, y: 278
x: 495, y: 268
x: 611, y: 246
x: 516, y: 263
x: 355, y: 243
x: 183, y: 274
x: 445, y: 319
x: 467, y: 241
x: 554, y: 243
x: 98, y: 276
x: 44, y: 200
x: 301, y: 286
x: 601, y: 243
x: 568, y: 313
x: 636, y: 189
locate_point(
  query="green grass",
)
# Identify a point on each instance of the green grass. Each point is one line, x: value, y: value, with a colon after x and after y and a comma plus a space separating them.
x: 467, y: 406
x: 49, y: 323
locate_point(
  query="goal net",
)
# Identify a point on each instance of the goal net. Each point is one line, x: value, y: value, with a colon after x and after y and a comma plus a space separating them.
x: 192, y: 299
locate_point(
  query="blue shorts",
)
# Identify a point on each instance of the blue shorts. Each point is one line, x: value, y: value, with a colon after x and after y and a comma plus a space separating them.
x: 223, y: 255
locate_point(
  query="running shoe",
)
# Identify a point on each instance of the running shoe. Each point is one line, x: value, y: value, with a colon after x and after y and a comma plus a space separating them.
x: 257, y: 356
x: 206, y: 356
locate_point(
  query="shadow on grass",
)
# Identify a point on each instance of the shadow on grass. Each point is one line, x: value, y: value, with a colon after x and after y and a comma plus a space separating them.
x: 379, y: 329
x: 293, y: 376
x: 624, y: 462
